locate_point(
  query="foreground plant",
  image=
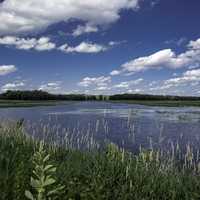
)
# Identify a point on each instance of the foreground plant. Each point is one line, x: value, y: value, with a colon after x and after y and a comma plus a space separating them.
x: 110, y: 173
x: 43, y: 181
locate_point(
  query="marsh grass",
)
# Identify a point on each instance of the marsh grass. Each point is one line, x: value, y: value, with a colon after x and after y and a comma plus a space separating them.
x: 109, y: 173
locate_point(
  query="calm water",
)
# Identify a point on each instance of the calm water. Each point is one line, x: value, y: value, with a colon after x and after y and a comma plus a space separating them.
x: 127, y: 125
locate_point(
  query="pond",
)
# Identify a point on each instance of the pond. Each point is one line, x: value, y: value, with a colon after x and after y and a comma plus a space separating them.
x: 96, y: 123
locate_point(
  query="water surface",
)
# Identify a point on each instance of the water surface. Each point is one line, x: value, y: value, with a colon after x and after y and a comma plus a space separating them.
x: 130, y: 126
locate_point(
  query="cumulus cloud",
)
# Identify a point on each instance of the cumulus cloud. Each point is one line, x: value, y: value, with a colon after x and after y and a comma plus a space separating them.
x: 44, y: 44
x: 195, y: 44
x: 83, y: 47
x: 87, y: 28
x: 103, y: 84
x: 115, y: 72
x: 41, y: 44
x: 33, y: 15
x: 50, y: 87
x: 161, y: 87
x: 13, y: 86
x: 7, y: 69
x: 135, y: 91
x: 102, y: 88
x: 99, y: 82
x: 128, y: 84
x: 188, y: 80
x: 88, y: 47
x: 189, y: 76
x: 164, y: 58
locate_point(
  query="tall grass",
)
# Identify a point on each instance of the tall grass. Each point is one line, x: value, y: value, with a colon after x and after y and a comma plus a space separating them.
x: 31, y: 169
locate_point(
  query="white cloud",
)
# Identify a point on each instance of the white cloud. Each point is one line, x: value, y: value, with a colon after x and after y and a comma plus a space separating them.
x: 83, y: 47
x: 87, y: 28
x: 98, y: 82
x: 187, y: 77
x: 164, y: 58
x: 188, y: 80
x: 7, y: 69
x: 157, y: 60
x: 44, y: 44
x: 115, y: 43
x: 19, y: 16
x: 195, y: 44
x: 41, y: 44
x: 115, y: 72
x: 135, y: 91
x: 103, y: 88
x: 50, y: 87
x: 128, y: 84
x: 12, y: 86
x: 161, y: 87
x: 152, y: 83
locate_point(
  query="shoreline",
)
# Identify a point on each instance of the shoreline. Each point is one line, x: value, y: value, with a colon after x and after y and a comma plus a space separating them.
x: 164, y: 103
x: 28, y: 103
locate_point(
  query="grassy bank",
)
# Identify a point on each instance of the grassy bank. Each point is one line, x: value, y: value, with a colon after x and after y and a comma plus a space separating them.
x: 57, y: 172
x: 161, y: 103
x: 21, y: 103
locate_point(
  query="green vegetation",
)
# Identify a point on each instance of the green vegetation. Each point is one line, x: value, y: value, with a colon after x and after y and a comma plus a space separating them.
x: 149, y: 97
x: 38, y: 95
x: 28, y: 103
x: 30, y: 169
x: 23, y: 103
x: 166, y: 103
x: 41, y: 98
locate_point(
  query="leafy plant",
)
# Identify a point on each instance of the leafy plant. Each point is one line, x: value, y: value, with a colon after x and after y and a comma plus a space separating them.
x: 43, y: 182
x: 110, y: 173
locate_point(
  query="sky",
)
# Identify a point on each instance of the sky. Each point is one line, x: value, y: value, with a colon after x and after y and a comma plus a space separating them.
x: 96, y: 47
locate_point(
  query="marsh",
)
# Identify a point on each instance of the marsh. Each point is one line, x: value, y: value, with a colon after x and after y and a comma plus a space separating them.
x: 128, y: 125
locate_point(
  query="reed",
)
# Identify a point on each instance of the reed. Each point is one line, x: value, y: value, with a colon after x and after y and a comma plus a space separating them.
x: 43, y: 169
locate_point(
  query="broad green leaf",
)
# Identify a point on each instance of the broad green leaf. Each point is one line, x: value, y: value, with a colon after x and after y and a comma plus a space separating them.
x: 29, y: 195
x: 48, y: 167
x: 46, y: 158
x: 49, y: 181
x: 35, y: 183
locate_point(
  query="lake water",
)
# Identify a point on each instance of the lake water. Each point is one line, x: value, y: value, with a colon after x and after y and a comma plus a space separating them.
x: 130, y: 126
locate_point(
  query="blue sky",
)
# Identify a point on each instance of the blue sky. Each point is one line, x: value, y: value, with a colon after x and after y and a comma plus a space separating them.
x: 74, y: 46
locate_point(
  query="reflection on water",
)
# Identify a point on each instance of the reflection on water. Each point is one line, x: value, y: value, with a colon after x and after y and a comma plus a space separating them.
x: 130, y: 126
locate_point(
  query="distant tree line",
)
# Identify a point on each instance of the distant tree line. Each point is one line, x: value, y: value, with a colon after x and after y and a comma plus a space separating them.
x: 42, y: 95
x: 152, y: 97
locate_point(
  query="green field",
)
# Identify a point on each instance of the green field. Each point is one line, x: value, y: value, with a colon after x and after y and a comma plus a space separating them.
x: 20, y: 103
x: 160, y: 103
x: 47, y: 171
